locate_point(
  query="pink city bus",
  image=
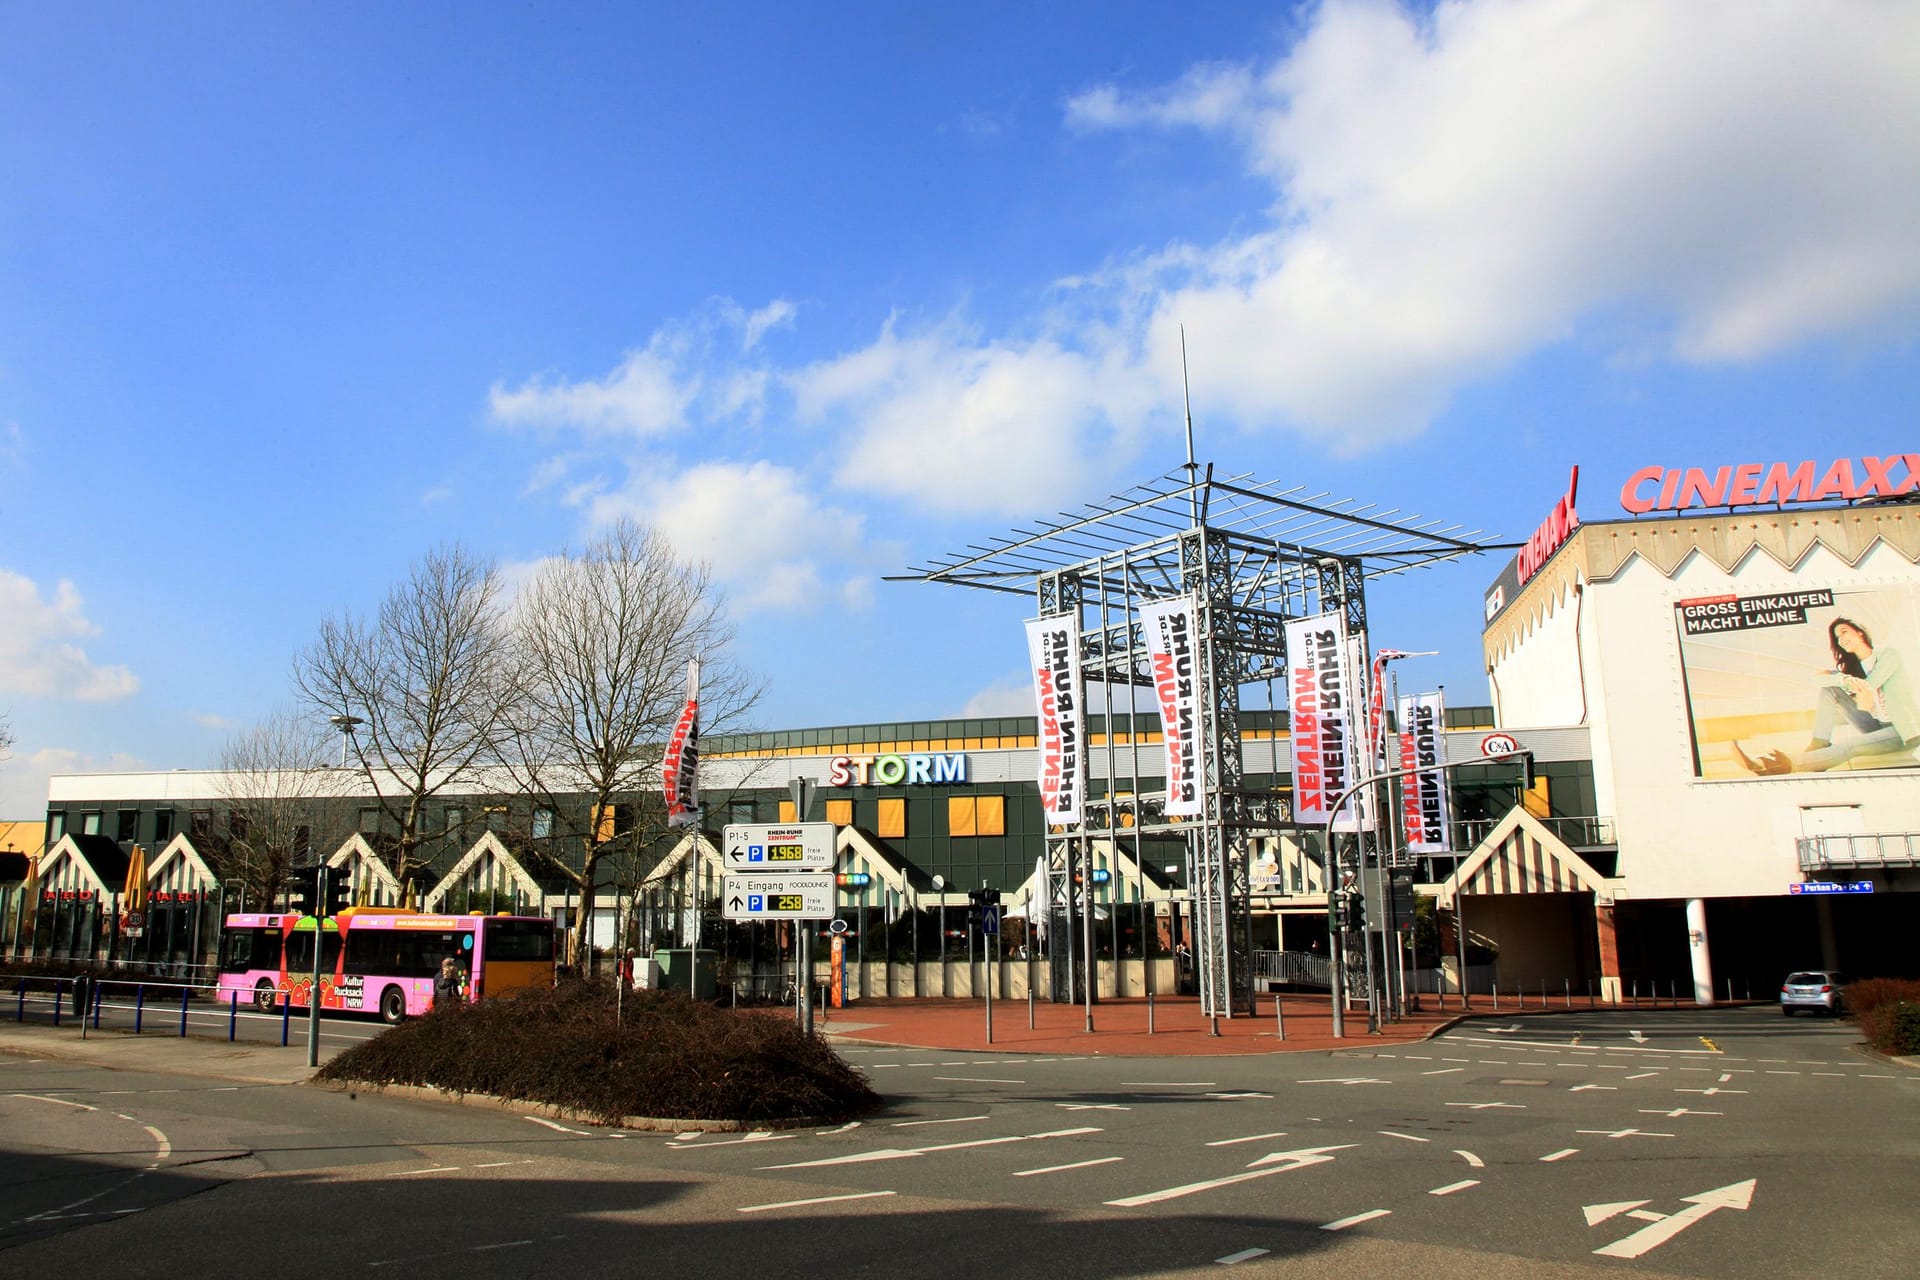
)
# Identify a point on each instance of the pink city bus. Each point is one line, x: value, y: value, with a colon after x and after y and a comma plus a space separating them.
x: 388, y: 960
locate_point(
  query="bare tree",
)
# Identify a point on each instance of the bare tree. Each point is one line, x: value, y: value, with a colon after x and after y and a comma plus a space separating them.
x: 424, y: 687
x: 275, y: 780
x: 605, y: 637
x: 6, y: 739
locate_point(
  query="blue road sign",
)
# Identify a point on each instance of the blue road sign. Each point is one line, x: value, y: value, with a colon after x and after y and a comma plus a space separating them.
x: 1832, y: 886
x: 990, y: 921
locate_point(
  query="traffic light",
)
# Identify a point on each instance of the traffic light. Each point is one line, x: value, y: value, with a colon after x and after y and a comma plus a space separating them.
x: 300, y: 890
x: 339, y: 890
x: 1355, y: 914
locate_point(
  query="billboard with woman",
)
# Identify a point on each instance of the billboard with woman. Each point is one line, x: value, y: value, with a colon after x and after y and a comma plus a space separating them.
x: 1803, y: 681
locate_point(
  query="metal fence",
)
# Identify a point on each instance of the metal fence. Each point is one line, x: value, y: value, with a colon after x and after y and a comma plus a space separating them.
x: 1824, y: 853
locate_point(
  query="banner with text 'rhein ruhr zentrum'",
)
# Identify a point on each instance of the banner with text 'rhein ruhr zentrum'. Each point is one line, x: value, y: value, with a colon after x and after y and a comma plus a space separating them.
x: 1053, y: 648
x: 1173, y: 644
x: 1326, y: 759
x: 1423, y: 796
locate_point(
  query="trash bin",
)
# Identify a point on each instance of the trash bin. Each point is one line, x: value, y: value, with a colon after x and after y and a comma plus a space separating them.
x: 686, y: 970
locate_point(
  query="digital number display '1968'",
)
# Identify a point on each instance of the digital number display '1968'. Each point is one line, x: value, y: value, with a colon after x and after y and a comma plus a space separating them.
x: 786, y: 852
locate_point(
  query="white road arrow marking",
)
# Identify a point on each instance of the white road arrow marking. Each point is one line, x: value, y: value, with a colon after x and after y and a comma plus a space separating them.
x: 1638, y: 1037
x: 1265, y: 1166
x: 1598, y: 1213
x: 1502, y: 1031
x: 1736, y: 1195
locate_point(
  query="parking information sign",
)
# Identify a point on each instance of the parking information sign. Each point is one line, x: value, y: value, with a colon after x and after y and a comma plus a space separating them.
x: 777, y: 897
x: 796, y: 846
x: 1832, y: 886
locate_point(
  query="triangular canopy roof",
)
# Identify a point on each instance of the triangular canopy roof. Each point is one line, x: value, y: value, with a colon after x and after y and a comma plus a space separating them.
x: 1521, y: 855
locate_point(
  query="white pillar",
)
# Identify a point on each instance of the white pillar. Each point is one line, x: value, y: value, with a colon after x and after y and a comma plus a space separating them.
x: 1697, y: 949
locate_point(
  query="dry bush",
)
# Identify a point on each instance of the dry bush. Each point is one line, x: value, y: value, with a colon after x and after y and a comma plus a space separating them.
x: 668, y: 1058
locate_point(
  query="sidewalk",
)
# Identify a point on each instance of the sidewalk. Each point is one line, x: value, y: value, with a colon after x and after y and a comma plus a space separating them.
x: 194, y: 1055
x: 1120, y: 1027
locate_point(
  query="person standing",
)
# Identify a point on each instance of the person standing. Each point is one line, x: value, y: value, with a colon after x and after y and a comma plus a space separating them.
x: 449, y: 985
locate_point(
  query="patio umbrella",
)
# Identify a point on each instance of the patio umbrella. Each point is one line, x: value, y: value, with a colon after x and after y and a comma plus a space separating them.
x: 134, y: 893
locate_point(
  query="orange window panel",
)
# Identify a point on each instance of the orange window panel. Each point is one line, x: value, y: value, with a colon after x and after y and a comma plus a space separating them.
x: 893, y: 819
x: 961, y: 816
x: 992, y: 815
x: 786, y: 811
x: 840, y: 811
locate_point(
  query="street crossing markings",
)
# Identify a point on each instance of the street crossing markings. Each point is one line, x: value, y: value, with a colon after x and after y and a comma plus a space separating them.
x: 1341, y: 1224
x: 802, y: 1204
x: 1266, y: 1166
x: 1062, y: 1168
x: 1452, y: 1187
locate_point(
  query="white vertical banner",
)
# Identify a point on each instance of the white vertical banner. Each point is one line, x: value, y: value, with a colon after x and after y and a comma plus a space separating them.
x: 1053, y: 646
x: 1173, y: 644
x: 1423, y: 745
x: 1326, y: 760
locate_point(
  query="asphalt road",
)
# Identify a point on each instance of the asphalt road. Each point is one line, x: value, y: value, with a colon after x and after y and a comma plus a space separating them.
x: 1701, y: 1143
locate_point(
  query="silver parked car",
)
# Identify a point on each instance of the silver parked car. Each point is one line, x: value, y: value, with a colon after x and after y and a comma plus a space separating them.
x: 1821, y: 990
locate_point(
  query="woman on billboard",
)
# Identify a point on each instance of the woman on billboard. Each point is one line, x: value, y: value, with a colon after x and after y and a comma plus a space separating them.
x: 1867, y: 689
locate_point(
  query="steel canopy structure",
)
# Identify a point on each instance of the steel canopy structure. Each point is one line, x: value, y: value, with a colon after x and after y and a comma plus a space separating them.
x: 1253, y: 555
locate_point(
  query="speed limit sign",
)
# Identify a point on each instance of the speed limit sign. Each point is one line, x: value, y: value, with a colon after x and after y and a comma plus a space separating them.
x: 1499, y: 745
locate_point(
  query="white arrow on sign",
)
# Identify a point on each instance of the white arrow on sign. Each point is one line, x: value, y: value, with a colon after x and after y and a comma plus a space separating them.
x: 1736, y: 1195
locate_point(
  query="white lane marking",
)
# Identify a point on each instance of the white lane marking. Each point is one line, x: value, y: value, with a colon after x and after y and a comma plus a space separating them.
x: 1266, y: 1166
x: 1092, y: 1106
x: 500, y: 1164
x: 1470, y: 1158
x: 166, y: 1147
x: 1838, y: 1075
x: 1344, y: 1080
x: 1452, y: 1187
x: 1495, y: 1062
x: 1714, y: 1089
x: 1490, y: 1106
x: 1624, y: 1133
x: 1341, y: 1224
x: 908, y: 1153
x: 1241, y: 1256
x: 558, y: 1128
x: 1404, y: 1137
x: 1643, y: 1075
x: 39, y: 1097
x: 845, y: 1128
x: 757, y: 1136
x: 1725, y: 1076
x: 1561, y: 1154
x: 1443, y: 1071
x: 408, y: 1173
x: 1678, y: 1111
x: 1583, y: 1088
x: 1865, y: 1076
x: 801, y: 1204
x: 978, y: 1080
x: 908, y: 1124
x: 1168, y: 1084
x: 1256, y: 1137
x: 1062, y: 1168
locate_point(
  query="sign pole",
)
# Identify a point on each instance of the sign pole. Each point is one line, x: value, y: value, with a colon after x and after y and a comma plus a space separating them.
x: 313, y: 997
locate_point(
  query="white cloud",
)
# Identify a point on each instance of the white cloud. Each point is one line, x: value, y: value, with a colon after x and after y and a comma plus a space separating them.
x: 1458, y: 190
x: 38, y: 653
x: 23, y: 778
x: 959, y: 424
x: 777, y: 314
x: 13, y: 442
x: 435, y: 495
x: 758, y: 525
x: 1008, y: 696
x: 213, y: 720
x: 642, y: 396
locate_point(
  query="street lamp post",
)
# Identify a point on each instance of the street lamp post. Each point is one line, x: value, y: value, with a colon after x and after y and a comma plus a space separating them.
x: 1339, y: 950
x: 346, y: 725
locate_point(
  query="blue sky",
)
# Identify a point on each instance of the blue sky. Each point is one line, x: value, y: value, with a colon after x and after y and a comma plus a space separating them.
x: 289, y: 294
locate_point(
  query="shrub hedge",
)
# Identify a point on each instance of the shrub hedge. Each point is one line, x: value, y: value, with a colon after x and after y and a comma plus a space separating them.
x: 1887, y: 1011
x: 668, y: 1057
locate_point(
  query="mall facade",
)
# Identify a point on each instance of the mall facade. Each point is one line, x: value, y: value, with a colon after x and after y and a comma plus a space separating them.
x: 1709, y: 681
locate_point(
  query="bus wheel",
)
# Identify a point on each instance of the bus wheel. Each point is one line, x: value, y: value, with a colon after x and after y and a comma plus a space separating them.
x: 393, y: 1006
x: 265, y: 998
